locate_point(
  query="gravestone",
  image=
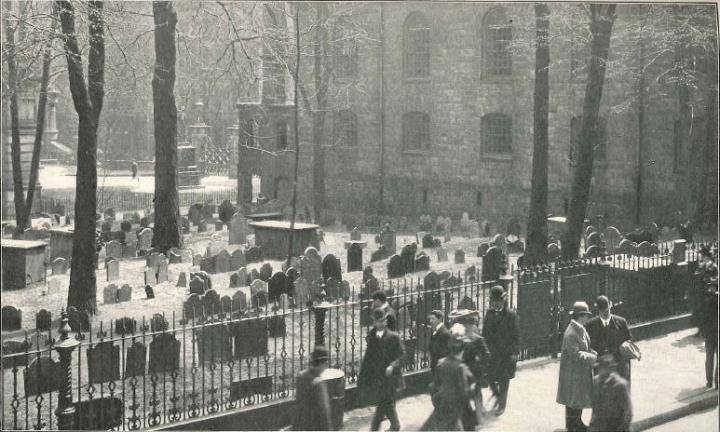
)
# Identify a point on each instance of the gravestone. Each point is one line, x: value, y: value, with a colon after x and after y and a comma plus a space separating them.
x: 242, y: 276
x: 208, y: 264
x: 277, y: 285
x: 135, y: 360
x: 150, y: 276
x: 223, y: 262
x: 11, y: 318
x: 482, y: 249
x: 215, y: 247
x: 235, y: 281
x: 124, y: 293
x: 355, y: 234
x: 113, y: 270
x: 145, y: 239
x: 459, y: 256
x: 239, y: 301
x: 43, y: 375
x: 214, y: 343
x: 182, y: 280
x: 149, y: 292
x: 113, y: 249
x: 378, y: 255
x: 158, y: 323
x: 174, y: 257
x: 387, y: 239
x: 259, y: 299
x: 372, y: 285
x: 612, y: 239
x: 471, y: 274
x: 301, y: 292
x: 258, y: 285
x: 43, y: 320
x: 428, y: 241
x: 250, y: 337
x: 59, y: 266
x: 494, y: 264
x: 367, y: 273
x: 277, y: 326
x: 431, y: 281
x: 238, y: 229
x: 110, y: 294
x: 593, y: 239
x: 103, y: 362
x: 291, y: 274
x: 407, y: 254
x: 164, y: 354
x: 125, y: 225
x: 253, y: 255
x: 625, y: 247
x: 553, y: 251
x: 422, y: 262
x: 593, y: 251
x: 79, y: 321
x: 311, y: 265
x: 499, y: 242
x: 197, y: 260
x: 211, y: 303
x: 442, y: 255
x: 226, y: 305
x: 197, y: 285
x: 237, y: 260
x: 332, y: 288
x: 265, y: 272
x: 354, y: 257
x: 192, y: 308
x: 645, y: 249
x: 395, y: 267
x: 331, y: 267
x: 226, y: 210
x: 254, y: 274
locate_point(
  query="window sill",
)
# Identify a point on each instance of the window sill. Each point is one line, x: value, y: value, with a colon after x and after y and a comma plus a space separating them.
x: 497, y: 157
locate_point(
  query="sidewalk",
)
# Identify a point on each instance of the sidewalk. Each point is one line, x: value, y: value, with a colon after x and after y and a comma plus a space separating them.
x: 670, y: 376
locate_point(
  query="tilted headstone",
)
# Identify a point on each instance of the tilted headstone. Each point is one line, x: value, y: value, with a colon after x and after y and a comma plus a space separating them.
x: 265, y: 272
x: 395, y: 267
x: 459, y: 256
x: 331, y: 267
x: 43, y: 320
x: 124, y: 293
x: 59, y: 266
x: 149, y: 292
x: 114, y: 249
x: 103, y: 362
x: 110, y: 294
x: 113, y: 270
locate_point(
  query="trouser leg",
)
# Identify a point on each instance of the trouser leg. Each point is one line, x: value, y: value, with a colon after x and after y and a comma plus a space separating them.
x: 392, y: 415
x: 573, y: 420
x: 377, y: 417
x: 503, y: 388
x: 711, y: 347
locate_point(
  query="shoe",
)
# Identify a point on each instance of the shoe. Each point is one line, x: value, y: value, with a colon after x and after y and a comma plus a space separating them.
x: 499, y: 411
x: 709, y: 384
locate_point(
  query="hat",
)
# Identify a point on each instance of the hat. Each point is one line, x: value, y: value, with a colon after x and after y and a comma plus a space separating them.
x: 319, y: 354
x: 580, y: 308
x: 379, y: 313
x: 458, y: 313
x: 607, y: 360
x: 458, y: 333
x: 497, y: 293
x: 602, y: 302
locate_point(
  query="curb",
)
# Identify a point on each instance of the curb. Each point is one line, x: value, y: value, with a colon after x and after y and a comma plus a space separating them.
x: 707, y: 401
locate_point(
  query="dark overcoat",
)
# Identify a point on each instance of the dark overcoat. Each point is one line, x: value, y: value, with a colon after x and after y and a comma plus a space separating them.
x: 451, y: 393
x: 611, y: 405
x: 312, y: 403
x: 607, y: 340
x: 476, y: 355
x: 501, y: 331
x: 439, y: 342
x: 380, y: 353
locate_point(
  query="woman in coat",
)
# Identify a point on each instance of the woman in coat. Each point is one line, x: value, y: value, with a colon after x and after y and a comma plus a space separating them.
x: 576, y: 362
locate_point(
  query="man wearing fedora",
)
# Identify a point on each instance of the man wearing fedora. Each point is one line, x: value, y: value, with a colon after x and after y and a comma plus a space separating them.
x: 575, y: 381
x: 611, y: 404
x: 312, y: 401
x: 380, y: 375
x: 501, y: 331
x: 708, y: 271
x: 607, y: 333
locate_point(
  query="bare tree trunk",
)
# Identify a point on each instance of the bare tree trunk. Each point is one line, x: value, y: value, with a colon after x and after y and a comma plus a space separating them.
x: 320, y: 72
x: 296, y: 132
x: 88, y: 101
x: 537, y: 218
x: 602, y: 18
x: 167, y: 232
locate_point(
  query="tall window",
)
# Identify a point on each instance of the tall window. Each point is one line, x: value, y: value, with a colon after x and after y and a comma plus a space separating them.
x: 346, y: 58
x: 346, y: 128
x: 281, y: 135
x: 416, y: 131
x: 417, y: 46
x: 600, y: 147
x: 497, y: 38
x: 496, y: 134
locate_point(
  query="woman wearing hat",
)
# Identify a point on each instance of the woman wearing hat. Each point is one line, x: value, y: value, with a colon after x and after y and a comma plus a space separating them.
x: 575, y: 381
x: 312, y: 402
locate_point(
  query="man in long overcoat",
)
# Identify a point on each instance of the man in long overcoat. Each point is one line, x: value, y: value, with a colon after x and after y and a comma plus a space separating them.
x: 710, y: 331
x: 312, y: 402
x: 380, y: 373
x: 439, y: 339
x: 607, y: 332
x: 611, y: 405
x: 501, y: 331
x: 576, y: 363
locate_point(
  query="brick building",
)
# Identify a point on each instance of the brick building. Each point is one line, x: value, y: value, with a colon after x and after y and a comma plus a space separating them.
x: 432, y: 112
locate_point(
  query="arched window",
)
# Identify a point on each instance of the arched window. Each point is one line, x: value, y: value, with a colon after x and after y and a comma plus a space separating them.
x: 346, y: 128
x: 600, y: 147
x: 415, y: 131
x: 496, y: 40
x: 496, y: 133
x: 281, y: 135
x: 417, y: 46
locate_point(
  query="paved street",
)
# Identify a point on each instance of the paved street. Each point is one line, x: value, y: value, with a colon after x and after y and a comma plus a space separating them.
x: 670, y: 375
x: 706, y: 421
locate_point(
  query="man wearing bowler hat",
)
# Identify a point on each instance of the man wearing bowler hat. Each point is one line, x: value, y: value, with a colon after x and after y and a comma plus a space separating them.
x: 501, y: 331
x: 575, y: 381
x: 380, y: 374
x: 607, y: 333
x: 611, y: 405
x: 312, y: 401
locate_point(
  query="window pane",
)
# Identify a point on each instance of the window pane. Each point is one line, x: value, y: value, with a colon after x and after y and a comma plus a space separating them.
x: 497, y: 133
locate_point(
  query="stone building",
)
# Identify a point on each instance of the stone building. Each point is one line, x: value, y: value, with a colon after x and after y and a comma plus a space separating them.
x: 432, y: 112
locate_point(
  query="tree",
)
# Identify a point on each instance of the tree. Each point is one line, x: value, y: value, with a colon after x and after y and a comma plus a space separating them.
x: 167, y: 232
x: 537, y: 217
x: 602, y: 17
x: 88, y: 102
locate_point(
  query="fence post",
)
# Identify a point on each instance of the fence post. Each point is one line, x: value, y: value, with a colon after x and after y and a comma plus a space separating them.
x: 320, y: 311
x: 65, y: 411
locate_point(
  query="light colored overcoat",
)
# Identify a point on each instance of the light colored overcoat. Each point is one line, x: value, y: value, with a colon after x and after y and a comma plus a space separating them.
x: 576, y: 379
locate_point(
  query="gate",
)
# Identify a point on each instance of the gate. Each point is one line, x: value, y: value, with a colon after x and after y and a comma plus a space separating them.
x: 537, y: 309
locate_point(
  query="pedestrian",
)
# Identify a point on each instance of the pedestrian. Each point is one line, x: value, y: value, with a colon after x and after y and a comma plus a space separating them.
x: 501, y: 331
x: 379, y: 300
x: 576, y: 362
x: 452, y: 386
x: 607, y: 333
x: 707, y: 270
x: 380, y: 375
x: 611, y: 404
x: 710, y: 330
x: 439, y: 339
x: 134, y: 170
x: 476, y: 357
x: 312, y: 400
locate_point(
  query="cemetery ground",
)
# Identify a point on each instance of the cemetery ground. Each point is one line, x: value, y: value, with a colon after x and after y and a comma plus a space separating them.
x: 669, y: 376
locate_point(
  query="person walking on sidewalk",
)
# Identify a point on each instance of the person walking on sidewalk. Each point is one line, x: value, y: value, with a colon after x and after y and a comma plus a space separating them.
x: 312, y: 401
x: 611, y: 405
x: 452, y: 386
x: 380, y: 375
x: 607, y: 333
x: 501, y: 331
x: 379, y: 300
x: 575, y: 379
x: 708, y: 271
x: 439, y: 339
x: 710, y: 331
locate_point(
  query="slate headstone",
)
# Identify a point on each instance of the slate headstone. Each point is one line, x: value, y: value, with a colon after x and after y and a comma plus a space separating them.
x: 149, y: 292
x: 442, y: 255
x: 237, y: 260
x: 301, y: 292
x: 110, y: 294
x: 211, y: 303
x: 612, y: 239
x: 354, y: 258
x: 59, y: 266
x: 192, y: 308
x: 124, y: 293
x: 103, y: 362
x: 113, y: 270
x: 265, y: 272
x: 113, y: 249
x: 197, y: 285
x: 11, y: 318
x: 494, y: 264
x: 145, y: 239
x: 79, y: 321
x: 407, y: 254
x: 223, y: 262
x: 277, y: 285
x: 331, y: 267
x: 459, y: 256
x: 43, y: 320
x: 150, y: 276
x: 164, y: 354
x: 239, y: 301
x: 43, y: 375
x: 135, y: 360
x: 395, y: 267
